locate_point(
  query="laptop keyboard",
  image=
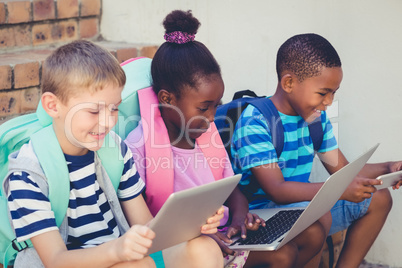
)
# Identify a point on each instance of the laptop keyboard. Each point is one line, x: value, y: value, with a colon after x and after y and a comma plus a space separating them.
x: 275, y: 227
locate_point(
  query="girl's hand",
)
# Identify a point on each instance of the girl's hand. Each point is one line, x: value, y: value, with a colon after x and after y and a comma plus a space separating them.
x: 253, y: 222
x: 134, y: 244
x: 250, y: 222
x: 221, y: 239
x: 211, y: 227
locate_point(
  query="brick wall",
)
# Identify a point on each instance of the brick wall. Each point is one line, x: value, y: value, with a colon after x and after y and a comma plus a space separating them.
x: 30, y: 23
x: 20, y: 75
x: 30, y: 30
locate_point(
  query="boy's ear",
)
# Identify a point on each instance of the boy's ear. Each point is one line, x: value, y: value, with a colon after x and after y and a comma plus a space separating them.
x: 287, y: 82
x: 165, y: 97
x: 50, y: 104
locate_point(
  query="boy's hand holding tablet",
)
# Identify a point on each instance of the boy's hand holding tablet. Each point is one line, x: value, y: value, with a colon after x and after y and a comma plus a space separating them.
x: 393, y: 180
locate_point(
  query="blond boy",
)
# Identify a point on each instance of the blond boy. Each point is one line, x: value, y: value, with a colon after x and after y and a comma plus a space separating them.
x: 82, y: 85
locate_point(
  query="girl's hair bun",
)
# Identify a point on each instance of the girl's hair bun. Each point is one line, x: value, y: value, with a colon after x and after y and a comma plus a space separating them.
x: 181, y: 62
x: 182, y: 21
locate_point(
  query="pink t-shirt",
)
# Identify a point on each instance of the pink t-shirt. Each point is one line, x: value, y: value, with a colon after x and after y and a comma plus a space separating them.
x: 190, y: 166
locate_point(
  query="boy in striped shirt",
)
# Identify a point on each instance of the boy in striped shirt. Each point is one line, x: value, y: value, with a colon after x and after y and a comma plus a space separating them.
x: 309, y: 74
x: 82, y: 85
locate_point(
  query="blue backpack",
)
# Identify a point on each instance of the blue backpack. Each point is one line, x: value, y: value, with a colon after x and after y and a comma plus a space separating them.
x: 37, y: 127
x: 227, y: 115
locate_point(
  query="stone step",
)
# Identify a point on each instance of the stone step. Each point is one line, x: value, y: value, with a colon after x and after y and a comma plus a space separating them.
x: 20, y: 74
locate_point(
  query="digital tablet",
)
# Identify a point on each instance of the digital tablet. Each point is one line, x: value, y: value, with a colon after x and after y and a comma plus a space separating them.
x: 389, y: 180
x: 184, y: 212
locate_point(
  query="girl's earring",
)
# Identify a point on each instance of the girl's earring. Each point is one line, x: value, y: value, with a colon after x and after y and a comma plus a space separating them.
x: 164, y: 97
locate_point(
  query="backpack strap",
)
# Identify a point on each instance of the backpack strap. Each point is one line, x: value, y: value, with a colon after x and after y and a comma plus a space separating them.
x: 271, y: 115
x: 159, y: 182
x: 53, y: 163
x: 13, y: 248
x: 247, y: 92
x: 111, y: 158
x: 316, y: 132
x: 138, y: 76
x: 269, y: 111
x: 213, y: 149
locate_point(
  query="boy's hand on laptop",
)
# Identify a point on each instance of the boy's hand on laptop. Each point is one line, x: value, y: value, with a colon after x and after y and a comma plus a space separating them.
x: 134, y: 244
x: 213, y: 222
x: 360, y: 189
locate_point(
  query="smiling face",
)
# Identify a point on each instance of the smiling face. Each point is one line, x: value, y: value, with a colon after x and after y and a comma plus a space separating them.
x: 82, y: 123
x: 311, y: 96
x: 189, y: 115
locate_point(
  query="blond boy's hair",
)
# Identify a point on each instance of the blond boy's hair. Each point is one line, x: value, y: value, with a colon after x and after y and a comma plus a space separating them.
x: 80, y: 65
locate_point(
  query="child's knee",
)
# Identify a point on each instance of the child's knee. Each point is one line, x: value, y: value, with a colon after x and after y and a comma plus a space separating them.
x: 205, y: 250
x: 381, y: 201
x: 202, y: 251
x: 326, y: 222
x: 314, y: 236
x: 286, y: 256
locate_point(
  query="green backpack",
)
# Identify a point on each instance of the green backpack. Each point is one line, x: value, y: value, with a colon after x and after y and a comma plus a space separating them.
x: 37, y: 127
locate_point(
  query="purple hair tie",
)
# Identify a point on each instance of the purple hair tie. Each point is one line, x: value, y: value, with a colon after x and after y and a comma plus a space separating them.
x: 179, y: 37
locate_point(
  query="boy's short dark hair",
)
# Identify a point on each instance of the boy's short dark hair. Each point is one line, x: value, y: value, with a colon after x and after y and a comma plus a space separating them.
x: 305, y: 55
x: 80, y: 65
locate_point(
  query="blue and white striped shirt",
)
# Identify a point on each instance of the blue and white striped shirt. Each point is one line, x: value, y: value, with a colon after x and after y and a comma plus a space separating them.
x: 252, y: 146
x: 90, y: 219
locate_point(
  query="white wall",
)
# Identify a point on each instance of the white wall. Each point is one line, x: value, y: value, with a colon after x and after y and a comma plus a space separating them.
x: 244, y: 36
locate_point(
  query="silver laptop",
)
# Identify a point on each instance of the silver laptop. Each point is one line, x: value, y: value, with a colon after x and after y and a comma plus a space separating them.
x: 184, y: 212
x: 300, y: 218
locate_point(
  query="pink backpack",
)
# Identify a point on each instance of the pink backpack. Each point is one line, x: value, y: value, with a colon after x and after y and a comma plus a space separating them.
x: 160, y: 180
